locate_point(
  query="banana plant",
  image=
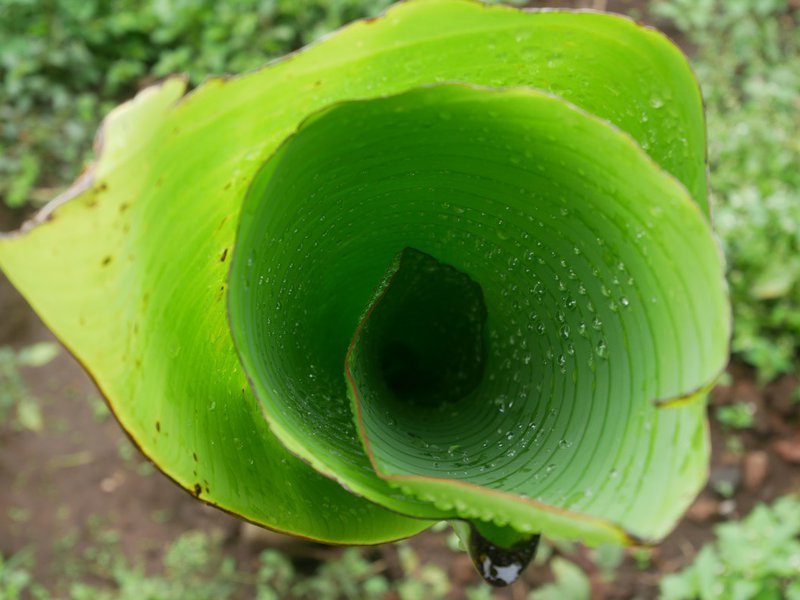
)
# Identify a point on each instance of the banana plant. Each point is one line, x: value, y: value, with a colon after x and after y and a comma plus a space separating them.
x: 455, y: 262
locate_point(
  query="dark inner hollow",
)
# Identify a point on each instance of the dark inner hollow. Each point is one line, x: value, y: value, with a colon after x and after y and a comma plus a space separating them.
x: 428, y: 331
x: 405, y: 371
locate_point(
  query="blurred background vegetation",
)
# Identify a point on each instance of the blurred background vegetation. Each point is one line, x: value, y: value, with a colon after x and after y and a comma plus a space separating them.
x: 65, y: 63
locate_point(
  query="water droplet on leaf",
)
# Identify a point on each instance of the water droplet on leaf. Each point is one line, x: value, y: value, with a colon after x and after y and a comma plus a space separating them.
x: 500, y: 566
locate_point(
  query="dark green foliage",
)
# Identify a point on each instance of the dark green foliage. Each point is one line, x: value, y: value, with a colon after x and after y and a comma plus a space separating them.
x: 65, y: 63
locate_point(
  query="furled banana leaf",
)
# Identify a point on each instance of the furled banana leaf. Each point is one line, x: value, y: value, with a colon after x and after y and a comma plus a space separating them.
x: 452, y: 263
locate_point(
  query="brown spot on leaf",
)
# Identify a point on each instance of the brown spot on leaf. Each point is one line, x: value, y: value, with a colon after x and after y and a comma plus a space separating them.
x: 194, y: 456
x: 106, y: 261
x: 158, y: 426
x: 224, y: 255
x: 123, y: 207
x: 198, y: 489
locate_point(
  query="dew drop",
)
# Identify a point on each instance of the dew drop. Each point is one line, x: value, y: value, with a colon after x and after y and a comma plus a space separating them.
x: 496, y: 565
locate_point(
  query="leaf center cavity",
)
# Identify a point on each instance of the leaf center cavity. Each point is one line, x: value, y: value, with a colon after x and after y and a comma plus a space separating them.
x: 421, y: 341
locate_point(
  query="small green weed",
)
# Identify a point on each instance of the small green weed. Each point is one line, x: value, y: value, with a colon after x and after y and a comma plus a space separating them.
x: 758, y: 557
x: 17, y: 405
x: 739, y: 415
x: 15, y: 576
x: 571, y: 583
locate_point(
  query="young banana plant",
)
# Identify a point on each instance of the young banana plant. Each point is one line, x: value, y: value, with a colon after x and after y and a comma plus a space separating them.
x: 452, y: 263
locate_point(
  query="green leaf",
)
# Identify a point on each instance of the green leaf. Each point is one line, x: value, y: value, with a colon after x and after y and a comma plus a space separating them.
x: 129, y: 269
x: 591, y: 320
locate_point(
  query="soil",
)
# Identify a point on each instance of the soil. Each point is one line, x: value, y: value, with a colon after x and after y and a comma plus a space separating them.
x: 79, y: 477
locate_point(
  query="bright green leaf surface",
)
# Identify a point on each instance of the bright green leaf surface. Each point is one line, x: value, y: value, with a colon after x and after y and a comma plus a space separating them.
x: 183, y: 400
x: 604, y: 296
x: 131, y: 272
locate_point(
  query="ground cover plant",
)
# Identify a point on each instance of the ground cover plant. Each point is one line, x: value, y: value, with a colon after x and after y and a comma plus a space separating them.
x: 748, y: 61
x: 556, y: 320
x: 65, y: 64
x: 758, y: 557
